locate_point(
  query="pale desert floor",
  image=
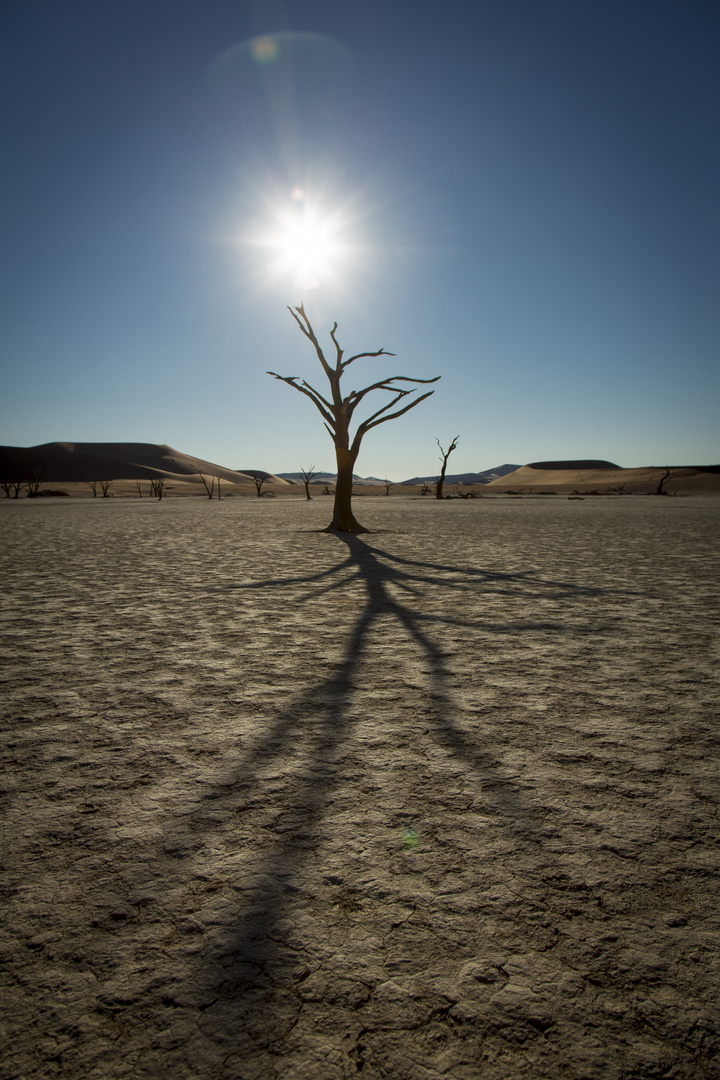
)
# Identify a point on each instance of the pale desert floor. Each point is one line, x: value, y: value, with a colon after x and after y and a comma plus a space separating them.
x: 436, y: 802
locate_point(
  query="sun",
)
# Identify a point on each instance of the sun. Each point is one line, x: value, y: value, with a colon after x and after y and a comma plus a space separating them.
x: 305, y: 245
x: 307, y: 249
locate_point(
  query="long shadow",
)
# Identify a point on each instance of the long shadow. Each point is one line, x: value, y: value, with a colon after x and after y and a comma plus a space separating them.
x: 309, y: 754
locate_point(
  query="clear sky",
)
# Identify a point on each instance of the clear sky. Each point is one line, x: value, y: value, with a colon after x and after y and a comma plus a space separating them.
x: 519, y: 195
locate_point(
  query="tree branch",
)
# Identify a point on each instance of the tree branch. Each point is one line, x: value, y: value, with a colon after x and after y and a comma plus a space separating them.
x: 354, y: 398
x: 361, y: 355
x: 452, y: 446
x: 373, y: 422
x: 317, y: 400
x: 384, y: 384
x: 317, y: 394
x: 339, y: 351
x: 310, y: 335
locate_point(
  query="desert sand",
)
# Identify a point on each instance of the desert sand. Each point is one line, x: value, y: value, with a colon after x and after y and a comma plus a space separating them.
x: 682, y: 480
x: 436, y: 802
x: 59, y: 462
x: 75, y: 469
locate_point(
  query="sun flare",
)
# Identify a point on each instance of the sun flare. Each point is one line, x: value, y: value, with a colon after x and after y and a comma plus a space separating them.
x: 306, y: 246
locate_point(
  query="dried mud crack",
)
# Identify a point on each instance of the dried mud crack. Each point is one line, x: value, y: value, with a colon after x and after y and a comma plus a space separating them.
x: 435, y: 802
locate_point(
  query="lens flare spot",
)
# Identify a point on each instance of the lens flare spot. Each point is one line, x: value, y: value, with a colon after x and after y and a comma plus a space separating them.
x: 264, y: 50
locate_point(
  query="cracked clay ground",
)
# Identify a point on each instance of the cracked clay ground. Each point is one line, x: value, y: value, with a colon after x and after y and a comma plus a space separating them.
x: 435, y: 802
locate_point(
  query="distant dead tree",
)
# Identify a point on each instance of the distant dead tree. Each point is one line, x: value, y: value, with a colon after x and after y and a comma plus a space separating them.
x: 444, y: 459
x: 32, y: 483
x: 388, y: 484
x: 105, y: 486
x: 15, y: 486
x: 209, y: 488
x: 425, y: 489
x: 307, y: 475
x: 337, y: 414
x: 662, y: 480
x: 157, y: 483
x: 259, y: 482
x: 93, y: 485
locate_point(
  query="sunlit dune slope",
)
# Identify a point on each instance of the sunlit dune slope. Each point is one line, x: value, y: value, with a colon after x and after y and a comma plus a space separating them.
x: 604, y: 477
x: 65, y: 462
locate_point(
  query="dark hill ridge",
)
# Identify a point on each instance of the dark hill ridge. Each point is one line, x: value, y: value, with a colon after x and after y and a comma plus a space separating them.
x: 60, y: 462
x: 582, y: 463
x: 467, y: 478
x: 65, y: 462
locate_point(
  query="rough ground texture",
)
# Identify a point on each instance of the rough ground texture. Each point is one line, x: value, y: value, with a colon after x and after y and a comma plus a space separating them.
x: 440, y: 801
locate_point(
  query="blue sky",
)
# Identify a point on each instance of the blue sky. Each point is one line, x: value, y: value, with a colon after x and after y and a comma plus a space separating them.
x: 523, y: 197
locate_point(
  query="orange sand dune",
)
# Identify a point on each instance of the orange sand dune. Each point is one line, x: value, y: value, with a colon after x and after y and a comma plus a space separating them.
x: 566, y: 477
x: 65, y: 462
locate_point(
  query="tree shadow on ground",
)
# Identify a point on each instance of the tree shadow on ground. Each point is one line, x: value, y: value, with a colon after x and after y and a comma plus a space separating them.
x: 303, y: 750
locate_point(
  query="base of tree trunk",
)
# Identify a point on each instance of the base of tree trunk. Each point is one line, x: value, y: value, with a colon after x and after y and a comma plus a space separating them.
x: 353, y: 527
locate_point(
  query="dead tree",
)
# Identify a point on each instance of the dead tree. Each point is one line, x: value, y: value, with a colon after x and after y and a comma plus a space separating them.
x: 388, y: 484
x: 209, y: 488
x: 307, y: 475
x: 157, y: 483
x: 662, y: 480
x: 259, y: 481
x: 105, y: 488
x: 445, y: 455
x: 425, y: 489
x: 12, y: 485
x: 33, y: 482
x: 337, y: 414
x: 93, y: 485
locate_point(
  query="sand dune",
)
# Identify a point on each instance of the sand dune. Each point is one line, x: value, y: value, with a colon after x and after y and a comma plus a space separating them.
x: 65, y: 462
x: 604, y: 478
x: 76, y: 464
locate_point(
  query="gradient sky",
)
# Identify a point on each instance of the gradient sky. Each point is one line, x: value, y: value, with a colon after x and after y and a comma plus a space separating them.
x: 525, y: 195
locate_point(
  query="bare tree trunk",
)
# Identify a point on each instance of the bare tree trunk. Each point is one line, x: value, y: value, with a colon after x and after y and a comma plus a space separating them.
x: 343, y: 518
x: 307, y: 475
x: 663, y: 478
x: 209, y: 488
x: 444, y: 459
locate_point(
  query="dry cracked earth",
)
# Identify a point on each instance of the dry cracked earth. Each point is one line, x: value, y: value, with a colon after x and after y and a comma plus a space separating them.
x: 435, y: 802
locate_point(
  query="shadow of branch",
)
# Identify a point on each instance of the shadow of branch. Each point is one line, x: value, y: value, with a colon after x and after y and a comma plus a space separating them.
x: 304, y: 746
